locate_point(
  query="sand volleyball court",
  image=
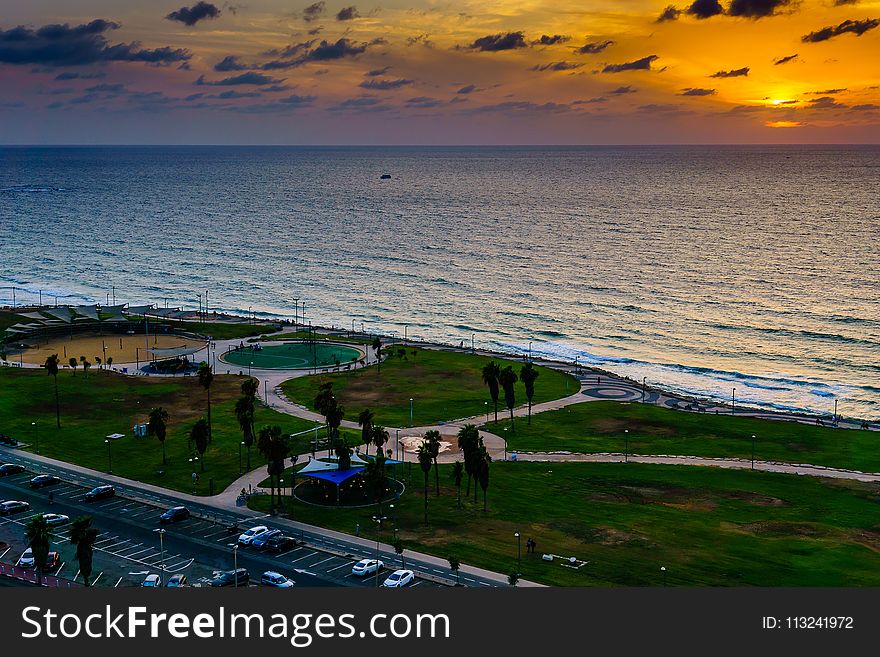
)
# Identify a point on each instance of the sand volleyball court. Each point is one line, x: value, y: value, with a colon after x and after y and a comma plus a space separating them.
x: 121, y: 348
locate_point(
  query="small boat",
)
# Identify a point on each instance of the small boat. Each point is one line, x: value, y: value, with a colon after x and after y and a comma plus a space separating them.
x: 386, y: 176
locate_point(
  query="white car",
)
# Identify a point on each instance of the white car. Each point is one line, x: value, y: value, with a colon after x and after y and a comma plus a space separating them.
x: 152, y: 581
x: 27, y: 559
x: 366, y: 567
x: 248, y: 536
x: 279, y: 581
x: 55, y: 519
x: 399, y: 578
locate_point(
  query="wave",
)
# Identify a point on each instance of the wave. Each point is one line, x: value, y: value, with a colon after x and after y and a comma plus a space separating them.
x: 30, y: 189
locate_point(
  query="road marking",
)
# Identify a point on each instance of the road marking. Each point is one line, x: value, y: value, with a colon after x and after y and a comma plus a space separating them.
x: 4, y: 552
x: 149, y: 549
x: 219, y: 531
x: 315, y: 565
x: 117, y: 583
x: 95, y: 581
x: 338, y: 567
x: 296, y: 549
x: 305, y: 557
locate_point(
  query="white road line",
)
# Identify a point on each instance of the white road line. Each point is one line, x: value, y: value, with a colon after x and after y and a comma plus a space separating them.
x: 4, y: 552
x: 59, y: 569
x: 117, y: 583
x: 308, y: 556
x: 338, y: 567
x: 313, y: 565
x: 133, y: 554
x: 296, y: 549
x: 219, y: 531
x: 416, y: 583
x: 95, y: 581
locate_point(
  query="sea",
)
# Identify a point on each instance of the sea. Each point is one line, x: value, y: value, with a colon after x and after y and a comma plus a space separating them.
x: 701, y: 269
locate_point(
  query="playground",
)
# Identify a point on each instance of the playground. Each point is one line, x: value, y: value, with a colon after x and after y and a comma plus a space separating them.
x: 121, y: 348
x: 293, y: 356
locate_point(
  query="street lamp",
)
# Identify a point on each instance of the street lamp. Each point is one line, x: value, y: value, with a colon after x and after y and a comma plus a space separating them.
x: 753, y: 451
x: 109, y: 457
x: 235, y: 565
x: 378, y: 519
x: 410, y: 411
x: 240, y: 445
x: 663, y: 570
x: 518, y: 553
x: 733, y: 403
x: 281, y: 494
x: 644, y: 382
x: 397, y: 446
x: 626, y: 445
x: 293, y: 461
x: 486, y: 404
x: 530, y: 351
x: 36, y: 436
x: 161, y: 533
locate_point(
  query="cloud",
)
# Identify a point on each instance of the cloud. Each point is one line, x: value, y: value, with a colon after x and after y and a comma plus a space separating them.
x: 230, y: 63
x: 671, y: 13
x: 551, y: 40
x: 785, y: 60
x: 424, y: 102
x: 556, y: 66
x: 497, y: 42
x: 623, y: 90
x: 867, y: 107
x: 591, y: 101
x: 365, y: 104
x: 469, y: 89
x: 736, y: 73
x: 854, y: 27
x: 314, y: 11
x: 521, y: 106
x: 292, y: 50
x: 347, y: 14
x: 840, y: 3
x: 191, y: 15
x: 826, y: 102
x: 420, y: 39
x: 756, y: 8
x: 693, y: 91
x: 705, y: 8
x: 643, y: 64
x: 376, y: 72
x: 257, y: 79
x: 71, y: 75
x: 323, y: 52
x: 594, y: 48
x: 232, y: 95
x: 826, y: 92
x: 385, y: 85
x: 107, y: 89
x: 63, y: 45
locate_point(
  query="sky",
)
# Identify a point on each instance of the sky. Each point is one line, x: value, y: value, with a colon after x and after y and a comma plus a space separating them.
x: 443, y: 72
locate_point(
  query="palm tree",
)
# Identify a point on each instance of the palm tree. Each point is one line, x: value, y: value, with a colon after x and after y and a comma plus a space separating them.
x: 342, y: 452
x: 334, y: 419
x: 365, y: 420
x: 527, y: 375
x: 377, y: 347
x: 37, y: 534
x: 199, y: 435
x: 425, y: 461
x: 324, y: 397
x: 244, y: 413
x: 376, y: 477
x: 454, y: 565
x: 82, y: 359
x: 457, y: 475
x: 380, y: 437
x: 274, y: 447
x: 483, y: 473
x: 398, y: 549
x: 432, y: 437
x: 250, y: 387
x: 83, y: 536
x: 491, y: 371
x: 206, y: 378
x: 158, y: 426
x: 468, y: 439
x: 73, y: 362
x: 52, y: 364
x: 508, y: 380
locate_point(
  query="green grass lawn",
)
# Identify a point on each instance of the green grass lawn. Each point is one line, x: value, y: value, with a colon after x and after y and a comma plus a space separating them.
x: 599, y: 427
x: 105, y: 403
x: 224, y: 331
x: 444, y: 386
x: 708, y: 527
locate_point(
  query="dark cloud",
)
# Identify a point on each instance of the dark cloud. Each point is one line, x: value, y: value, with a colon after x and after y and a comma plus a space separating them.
x: 420, y: 39
x: 323, y: 52
x: 230, y: 63
x: 785, y: 60
x: 232, y: 95
x: 385, y: 85
x: 257, y: 79
x: 556, y: 66
x: 424, y: 102
x: 735, y: 73
x: 671, y: 13
x: 293, y: 50
x: 693, y: 91
x: 71, y: 75
x: 705, y: 8
x: 826, y: 92
x: 826, y: 102
x: 853, y: 27
x: 551, y: 40
x: 591, y: 101
x: 192, y: 15
x: 756, y: 8
x: 106, y: 89
x: 661, y: 108
x: 867, y: 107
x: 314, y: 11
x: 840, y: 3
x: 347, y: 14
x: 594, y: 48
x: 376, y: 72
x: 623, y: 90
x: 643, y: 64
x: 63, y: 45
x: 315, y: 31
x: 469, y: 89
x: 497, y: 42
x: 521, y: 106
x: 367, y: 104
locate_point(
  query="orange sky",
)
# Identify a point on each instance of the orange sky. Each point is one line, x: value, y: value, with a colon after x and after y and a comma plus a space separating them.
x: 427, y: 71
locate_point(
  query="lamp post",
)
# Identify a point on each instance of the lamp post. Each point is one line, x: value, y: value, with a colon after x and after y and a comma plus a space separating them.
x: 473, y: 350
x: 378, y: 520
x: 250, y: 314
x: 733, y: 403
x: 486, y: 404
x: 397, y: 445
x: 235, y: 565
x: 410, y: 411
x: 530, y: 351
x: 295, y: 313
x: 109, y: 456
x: 240, y: 445
x: 518, y: 553
x: 36, y: 436
x: 753, y: 451
x: 405, y: 334
x: 281, y: 493
x: 161, y: 533
x: 250, y: 364
x: 644, y: 383
x: 293, y: 461
x: 626, y: 445
x: 663, y: 570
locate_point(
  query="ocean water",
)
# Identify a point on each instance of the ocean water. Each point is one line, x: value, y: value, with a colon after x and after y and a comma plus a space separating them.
x: 703, y: 269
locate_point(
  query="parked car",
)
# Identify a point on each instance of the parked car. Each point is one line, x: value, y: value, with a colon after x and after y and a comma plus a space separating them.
x: 41, y: 481
x: 176, y: 581
x: 366, y: 567
x: 55, y: 519
x: 27, y: 560
x: 229, y: 578
x: 259, y: 541
x: 152, y: 581
x: 279, y: 581
x: 52, y: 561
x: 174, y: 514
x: 10, y: 469
x: 9, y: 507
x: 280, y: 543
x: 100, y: 493
x: 398, y: 579
x: 245, y: 539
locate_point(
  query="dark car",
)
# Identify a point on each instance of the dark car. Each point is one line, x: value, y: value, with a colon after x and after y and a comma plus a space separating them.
x: 100, y: 493
x: 41, y: 481
x: 280, y: 543
x: 174, y: 514
x: 10, y: 469
x: 13, y: 506
x: 259, y: 541
x: 229, y: 577
x: 176, y: 581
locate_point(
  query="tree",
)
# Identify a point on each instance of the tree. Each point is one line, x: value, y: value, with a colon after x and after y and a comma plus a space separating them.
x: 527, y: 375
x: 324, y: 397
x: 432, y: 437
x: 158, y: 426
x: 244, y: 413
x: 334, y: 419
x: 468, y: 441
x: 380, y: 437
x: 365, y: 420
x: 199, y: 435
x: 109, y: 361
x: 508, y: 380
x: 342, y: 452
x: 274, y: 447
x: 424, y: 454
x: 73, y: 363
x: 83, y: 536
x: 86, y: 367
x: 457, y: 475
x: 377, y: 347
x: 82, y: 360
x: 483, y: 473
x: 398, y: 549
x: 206, y: 378
x: 491, y: 372
x: 375, y: 477
x: 37, y: 535
x: 454, y: 566
x: 52, y: 364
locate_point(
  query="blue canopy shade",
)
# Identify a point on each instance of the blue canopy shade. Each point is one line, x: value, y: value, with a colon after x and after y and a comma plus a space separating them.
x: 336, y: 476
